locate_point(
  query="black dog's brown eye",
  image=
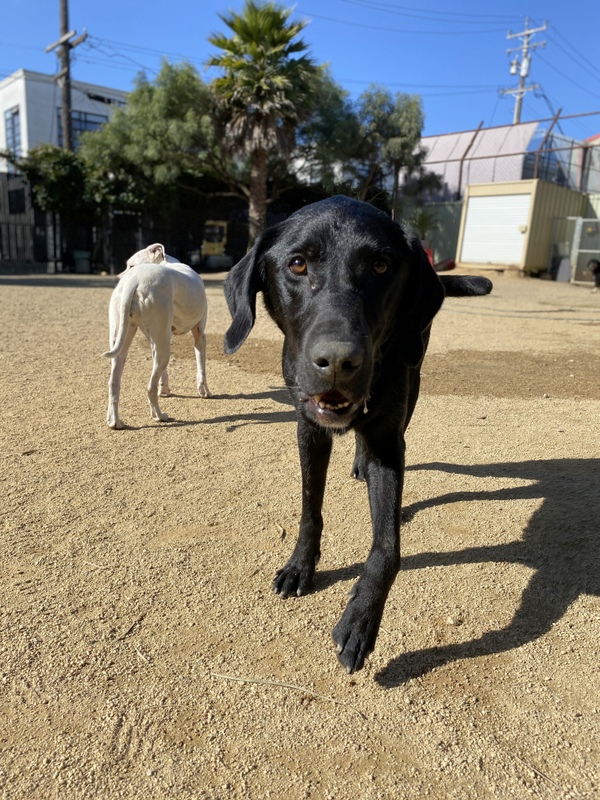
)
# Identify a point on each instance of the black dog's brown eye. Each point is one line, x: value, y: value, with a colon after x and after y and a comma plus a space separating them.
x: 380, y: 266
x: 298, y: 266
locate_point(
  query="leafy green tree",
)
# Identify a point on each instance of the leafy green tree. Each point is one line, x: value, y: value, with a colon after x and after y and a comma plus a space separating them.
x: 330, y: 136
x: 158, y: 156
x: 390, y: 128
x: 58, y: 180
x: 424, y: 221
x: 401, y: 149
x: 264, y: 92
x: 163, y: 133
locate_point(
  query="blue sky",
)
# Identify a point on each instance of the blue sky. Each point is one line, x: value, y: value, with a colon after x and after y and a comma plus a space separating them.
x: 456, y: 59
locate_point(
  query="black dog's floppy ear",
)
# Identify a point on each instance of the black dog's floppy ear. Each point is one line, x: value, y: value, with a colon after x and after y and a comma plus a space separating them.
x: 423, y: 298
x: 241, y: 287
x: 244, y: 281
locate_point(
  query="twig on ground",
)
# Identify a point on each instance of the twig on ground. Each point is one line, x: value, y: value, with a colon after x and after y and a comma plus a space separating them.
x: 92, y: 564
x: 282, y: 685
x: 140, y: 654
x: 537, y: 771
x: 131, y: 627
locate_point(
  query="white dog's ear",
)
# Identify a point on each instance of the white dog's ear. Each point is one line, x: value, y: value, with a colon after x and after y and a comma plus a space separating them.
x: 158, y: 252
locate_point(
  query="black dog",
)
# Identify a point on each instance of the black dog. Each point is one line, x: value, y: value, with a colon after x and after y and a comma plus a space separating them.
x: 354, y: 297
x: 594, y: 268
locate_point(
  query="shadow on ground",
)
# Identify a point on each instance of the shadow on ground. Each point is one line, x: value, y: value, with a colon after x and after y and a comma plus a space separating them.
x: 560, y: 545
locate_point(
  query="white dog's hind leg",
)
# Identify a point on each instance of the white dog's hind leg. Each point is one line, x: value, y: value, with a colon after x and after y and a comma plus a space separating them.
x: 114, y: 382
x: 200, y: 351
x: 164, y: 390
x: 160, y: 358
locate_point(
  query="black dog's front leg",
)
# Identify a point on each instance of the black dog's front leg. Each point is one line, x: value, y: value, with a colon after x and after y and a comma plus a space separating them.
x: 356, y: 632
x: 314, y: 445
x: 358, y: 470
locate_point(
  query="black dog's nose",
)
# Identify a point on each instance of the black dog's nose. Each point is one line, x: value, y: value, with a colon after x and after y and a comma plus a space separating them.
x: 336, y: 358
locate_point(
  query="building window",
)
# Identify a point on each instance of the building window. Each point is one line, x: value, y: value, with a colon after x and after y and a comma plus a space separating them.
x: 81, y: 122
x: 12, y: 124
x: 16, y: 201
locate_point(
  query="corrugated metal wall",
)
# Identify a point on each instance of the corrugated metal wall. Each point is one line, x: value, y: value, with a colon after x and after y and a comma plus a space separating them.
x: 593, y: 206
x: 549, y: 203
x: 443, y: 239
x: 549, y: 222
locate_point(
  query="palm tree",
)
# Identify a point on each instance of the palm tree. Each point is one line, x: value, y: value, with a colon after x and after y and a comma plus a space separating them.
x: 264, y: 92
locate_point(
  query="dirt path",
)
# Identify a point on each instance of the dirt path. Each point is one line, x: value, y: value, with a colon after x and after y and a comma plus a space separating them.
x: 142, y: 653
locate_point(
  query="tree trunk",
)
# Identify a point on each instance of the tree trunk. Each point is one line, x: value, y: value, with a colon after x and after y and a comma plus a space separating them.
x: 396, y: 186
x: 257, y: 212
x: 369, y: 180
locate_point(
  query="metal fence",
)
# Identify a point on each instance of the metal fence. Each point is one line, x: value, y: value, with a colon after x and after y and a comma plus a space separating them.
x: 25, y: 248
x: 442, y: 237
x: 32, y: 241
x: 576, y: 241
x: 42, y: 247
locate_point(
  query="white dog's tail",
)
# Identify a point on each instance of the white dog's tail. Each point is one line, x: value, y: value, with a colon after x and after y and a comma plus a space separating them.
x: 123, y: 324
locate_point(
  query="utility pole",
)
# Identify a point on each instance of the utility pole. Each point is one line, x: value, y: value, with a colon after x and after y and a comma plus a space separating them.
x: 66, y: 43
x: 520, y: 64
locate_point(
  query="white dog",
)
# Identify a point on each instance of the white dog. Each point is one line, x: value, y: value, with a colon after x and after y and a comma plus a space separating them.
x: 161, y: 296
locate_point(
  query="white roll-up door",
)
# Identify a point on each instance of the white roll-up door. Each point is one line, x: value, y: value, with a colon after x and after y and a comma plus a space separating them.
x: 495, y: 229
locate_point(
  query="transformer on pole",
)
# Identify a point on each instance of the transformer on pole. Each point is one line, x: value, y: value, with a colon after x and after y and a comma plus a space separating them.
x: 520, y: 64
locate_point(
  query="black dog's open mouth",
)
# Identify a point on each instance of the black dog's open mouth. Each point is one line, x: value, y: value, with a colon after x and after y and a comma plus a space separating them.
x: 332, y: 408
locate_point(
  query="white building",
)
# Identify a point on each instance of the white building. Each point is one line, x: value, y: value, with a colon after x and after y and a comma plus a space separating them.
x: 30, y: 104
x: 30, y: 115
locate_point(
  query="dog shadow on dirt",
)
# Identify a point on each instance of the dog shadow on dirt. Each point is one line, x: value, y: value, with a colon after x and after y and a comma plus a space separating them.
x: 257, y: 416
x: 560, y: 545
x: 253, y: 417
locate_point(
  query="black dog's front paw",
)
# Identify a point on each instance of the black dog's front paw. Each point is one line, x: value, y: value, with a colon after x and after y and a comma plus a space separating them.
x: 358, y: 470
x: 356, y: 633
x: 293, y: 579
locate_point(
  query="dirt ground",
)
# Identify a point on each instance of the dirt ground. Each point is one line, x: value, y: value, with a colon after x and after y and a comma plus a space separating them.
x: 143, y: 653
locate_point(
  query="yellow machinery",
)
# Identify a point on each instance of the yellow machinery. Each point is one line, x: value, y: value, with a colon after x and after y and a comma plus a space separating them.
x: 214, y: 242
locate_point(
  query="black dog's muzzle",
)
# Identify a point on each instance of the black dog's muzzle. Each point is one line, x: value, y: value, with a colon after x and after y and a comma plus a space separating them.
x: 334, y: 371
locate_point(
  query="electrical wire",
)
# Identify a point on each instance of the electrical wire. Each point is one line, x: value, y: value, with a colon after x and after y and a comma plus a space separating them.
x: 586, y: 89
x: 540, y: 93
x: 590, y: 64
x: 98, y: 43
x: 416, y: 13
x: 91, y: 45
x: 395, y: 30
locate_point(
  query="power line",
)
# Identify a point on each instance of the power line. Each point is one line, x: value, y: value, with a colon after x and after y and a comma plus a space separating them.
x: 572, y: 57
x: 450, y: 91
x: 136, y: 48
x: 473, y: 87
x: 395, y: 30
x: 566, y: 77
x: 416, y: 13
x: 95, y: 44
